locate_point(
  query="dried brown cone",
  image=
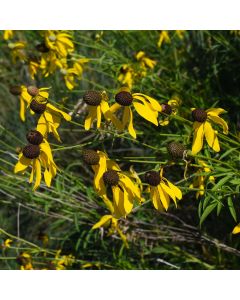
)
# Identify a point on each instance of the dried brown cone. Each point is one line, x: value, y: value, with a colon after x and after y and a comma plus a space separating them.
x: 124, y: 98
x: 37, y: 107
x: 166, y: 108
x: 31, y: 151
x: 90, y: 157
x: 15, y: 90
x: 152, y: 178
x: 92, y: 98
x: 199, y: 115
x: 34, y: 137
x: 32, y: 90
x: 176, y: 150
x: 111, y: 177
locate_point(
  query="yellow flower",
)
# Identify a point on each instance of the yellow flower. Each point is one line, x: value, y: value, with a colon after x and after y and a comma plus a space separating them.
x: 112, y: 223
x: 202, y: 127
x: 50, y: 116
x: 199, y: 180
x: 169, y: 108
x: 236, y: 229
x: 126, y: 76
x: 33, y: 66
x: 180, y: 33
x: 145, y: 106
x: 61, y: 262
x: 25, y: 260
x: 38, y: 153
x: 108, y: 174
x: 17, y: 51
x: 59, y: 41
x: 163, y: 38
x: 161, y: 190
x: 24, y: 99
x: 98, y: 105
x: 7, y: 243
x: 145, y: 61
x: 7, y: 35
x: 49, y: 63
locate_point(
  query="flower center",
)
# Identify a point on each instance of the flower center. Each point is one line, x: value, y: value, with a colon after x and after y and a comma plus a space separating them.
x: 31, y: 151
x: 15, y: 90
x: 37, y: 107
x: 92, y: 98
x: 176, y: 150
x: 199, y: 115
x: 90, y: 157
x: 166, y: 109
x: 32, y: 90
x: 111, y: 177
x: 124, y: 98
x: 152, y: 178
x: 34, y: 137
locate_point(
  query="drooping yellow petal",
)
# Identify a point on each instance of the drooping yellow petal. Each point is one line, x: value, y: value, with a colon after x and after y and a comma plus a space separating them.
x: 209, y: 133
x: 118, y: 200
x: 127, y: 201
x: 90, y: 117
x: 53, y: 109
x: 37, y: 169
x: 154, y: 103
x: 110, y: 116
x: 42, y: 125
x: 168, y: 191
x: 130, y: 125
x: 103, y: 221
x: 145, y: 112
x: 99, y: 116
x: 215, y: 111
x: 100, y: 170
x: 163, y: 197
x: 175, y: 189
x: 115, y: 107
x: 154, y: 195
x: 22, y: 164
x: 198, y: 137
x: 22, y: 109
x: 216, y: 146
x: 216, y: 119
x: 236, y: 229
x: 47, y: 177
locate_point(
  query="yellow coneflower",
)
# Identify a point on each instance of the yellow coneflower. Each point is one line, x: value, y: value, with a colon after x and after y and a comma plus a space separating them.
x: 50, y: 116
x: 24, y: 99
x: 49, y: 63
x: 199, y: 180
x: 161, y: 190
x: 7, y: 243
x: 17, y: 51
x: 63, y: 261
x: 145, y: 106
x: 168, y: 109
x: 126, y: 75
x: 98, y: 105
x: 111, y: 222
x: 202, y: 127
x: 7, y: 34
x: 25, y: 261
x: 145, y: 61
x: 59, y: 41
x: 38, y: 153
x: 108, y: 174
x: 163, y: 38
x: 33, y: 66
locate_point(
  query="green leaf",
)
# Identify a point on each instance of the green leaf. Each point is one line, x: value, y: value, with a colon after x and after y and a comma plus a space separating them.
x: 221, y: 182
x: 231, y: 208
x: 207, y: 211
x: 219, y: 208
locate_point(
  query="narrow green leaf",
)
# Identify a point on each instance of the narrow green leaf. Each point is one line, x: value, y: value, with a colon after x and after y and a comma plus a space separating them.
x: 207, y: 211
x: 231, y: 208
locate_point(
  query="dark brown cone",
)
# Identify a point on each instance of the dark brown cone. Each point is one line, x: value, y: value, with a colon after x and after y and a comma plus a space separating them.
x: 92, y: 98
x: 31, y: 151
x: 42, y: 48
x: 38, y: 108
x: 32, y: 90
x: 166, y: 109
x: 124, y: 98
x: 90, y: 157
x: 176, y: 150
x: 111, y: 177
x: 34, y: 137
x: 152, y: 178
x: 15, y: 90
x: 199, y: 115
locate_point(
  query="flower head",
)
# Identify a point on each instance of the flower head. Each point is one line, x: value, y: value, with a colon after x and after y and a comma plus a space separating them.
x: 126, y: 76
x: 145, y: 106
x: 7, y: 34
x: 202, y: 126
x: 161, y: 190
x: 168, y: 109
x: 163, y: 38
x: 109, y: 177
x: 37, y: 154
x: 145, y: 61
x: 18, y: 51
x: 98, y: 105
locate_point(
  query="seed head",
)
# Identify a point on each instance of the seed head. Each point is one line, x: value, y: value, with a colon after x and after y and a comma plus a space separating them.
x: 31, y: 151
x: 32, y: 90
x: 15, y: 90
x: 176, y: 150
x: 111, y: 177
x: 166, y: 109
x: 124, y: 98
x: 38, y: 108
x: 92, y: 98
x: 152, y: 178
x: 34, y: 137
x: 199, y: 115
x: 90, y: 157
